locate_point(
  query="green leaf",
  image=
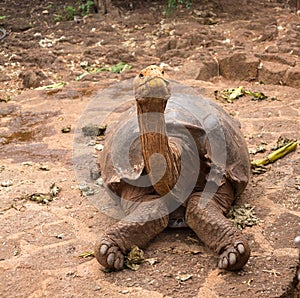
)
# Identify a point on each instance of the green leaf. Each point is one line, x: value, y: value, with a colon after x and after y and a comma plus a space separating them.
x: 117, y: 68
x: 120, y: 67
x: 91, y: 70
x: 51, y: 87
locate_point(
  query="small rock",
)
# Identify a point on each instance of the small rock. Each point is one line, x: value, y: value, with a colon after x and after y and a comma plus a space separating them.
x: 94, y: 173
x: 66, y: 129
x: 93, y: 130
x: 60, y: 236
x: 91, y: 143
x: 86, y: 190
x: 4, y: 77
x: 279, y: 58
x: 151, y: 261
x: 297, y: 242
x: 184, y: 277
x: 6, y: 183
x: 203, y: 71
x: 90, y: 131
x: 99, y: 182
x: 163, y: 46
x: 20, y: 24
x: 27, y: 163
x: 272, y: 49
x: 99, y: 147
x: 97, y: 288
x: 16, y: 252
x: 272, y: 73
x: 72, y: 274
x: 44, y: 168
x: 270, y: 33
x: 32, y: 78
x: 292, y: 77
x: 239, y: 66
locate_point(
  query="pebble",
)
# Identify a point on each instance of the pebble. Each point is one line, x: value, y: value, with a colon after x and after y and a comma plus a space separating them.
x: 27, y: 163
x: 99, y: 147
x: 60, y: 236
x: 92, y: 143
x: 86, y: 189
x: 297, y: 242
x: 97, y: 288
x: 6, y: 183
x: 99, y: 182
x: 66, y: 129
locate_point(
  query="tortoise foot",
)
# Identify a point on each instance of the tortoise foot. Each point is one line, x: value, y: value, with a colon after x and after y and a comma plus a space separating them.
x: 234, y: 257
x: 109, y: 255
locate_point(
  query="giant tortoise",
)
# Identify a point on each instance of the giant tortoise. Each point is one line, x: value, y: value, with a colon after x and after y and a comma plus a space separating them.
x: 169, y: 153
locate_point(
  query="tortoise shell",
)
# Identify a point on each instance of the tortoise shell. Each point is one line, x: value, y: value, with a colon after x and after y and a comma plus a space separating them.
x: 211, y: 143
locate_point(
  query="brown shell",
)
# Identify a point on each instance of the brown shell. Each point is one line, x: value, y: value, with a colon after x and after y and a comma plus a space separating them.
x: 189, y: 119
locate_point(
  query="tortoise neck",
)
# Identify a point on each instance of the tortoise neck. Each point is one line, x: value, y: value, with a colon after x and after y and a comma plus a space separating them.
x: 159, y: 155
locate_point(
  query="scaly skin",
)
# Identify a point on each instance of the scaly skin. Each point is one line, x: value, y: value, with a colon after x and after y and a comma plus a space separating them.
x: 214, y: 229
x: 144, y: 221
x: 119, y: 239
x: 137, y: 228
x: 209, y: 223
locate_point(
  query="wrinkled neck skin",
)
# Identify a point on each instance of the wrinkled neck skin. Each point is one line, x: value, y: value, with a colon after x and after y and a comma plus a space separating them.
x: 161, y: 157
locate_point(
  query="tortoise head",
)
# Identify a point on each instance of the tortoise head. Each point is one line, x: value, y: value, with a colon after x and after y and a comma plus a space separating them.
x: 150, y: 83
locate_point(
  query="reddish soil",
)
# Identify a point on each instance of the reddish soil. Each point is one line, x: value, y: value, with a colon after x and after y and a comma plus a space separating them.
x: 214, y: 45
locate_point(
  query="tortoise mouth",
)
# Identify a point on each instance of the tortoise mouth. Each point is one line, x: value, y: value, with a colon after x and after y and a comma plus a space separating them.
x: 154, y: 87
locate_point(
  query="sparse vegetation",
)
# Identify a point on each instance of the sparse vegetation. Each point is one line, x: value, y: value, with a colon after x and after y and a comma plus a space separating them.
x: 117, y: 68
x: 173, y: 4
x: 87, y: 7
x: 70, y: 12
x: 82, y: 8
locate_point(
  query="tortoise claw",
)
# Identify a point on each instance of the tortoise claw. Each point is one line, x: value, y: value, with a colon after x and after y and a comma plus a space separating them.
x: 241, y: 248
x: 103, y: 249
x: 234, y: 257
x: 110, y: 259
x: 223, y: 263
x: 109, y: 255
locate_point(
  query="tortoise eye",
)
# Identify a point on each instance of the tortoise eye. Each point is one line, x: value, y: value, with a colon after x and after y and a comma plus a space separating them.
x: 141, y: 75
x: 162, y: 72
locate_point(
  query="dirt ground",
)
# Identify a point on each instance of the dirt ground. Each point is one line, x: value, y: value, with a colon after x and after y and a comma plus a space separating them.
x: 214, y: 45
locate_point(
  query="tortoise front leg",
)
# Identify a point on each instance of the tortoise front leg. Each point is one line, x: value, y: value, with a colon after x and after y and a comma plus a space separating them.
x: 142, y: 223
x: 215, y: 230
